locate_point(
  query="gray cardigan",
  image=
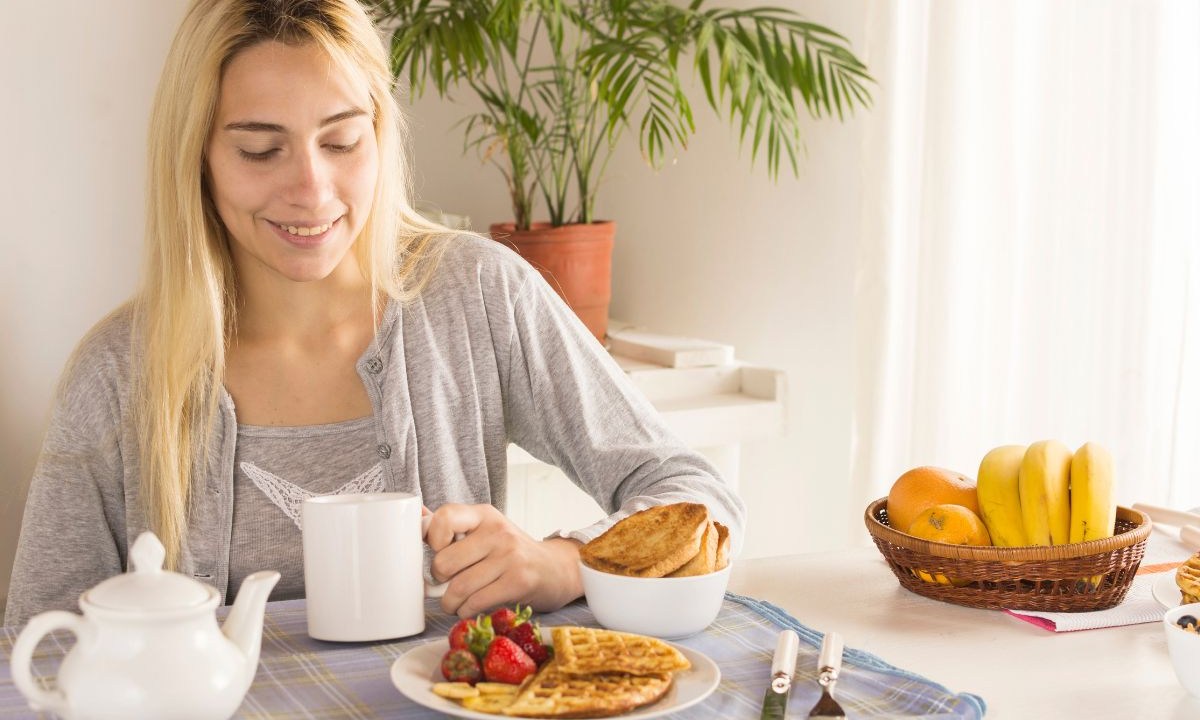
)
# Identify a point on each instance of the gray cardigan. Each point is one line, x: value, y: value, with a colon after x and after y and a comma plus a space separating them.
x: 486, y: 356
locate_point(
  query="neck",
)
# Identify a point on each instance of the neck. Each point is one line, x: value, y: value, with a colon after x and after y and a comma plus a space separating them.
x: 272, y: 308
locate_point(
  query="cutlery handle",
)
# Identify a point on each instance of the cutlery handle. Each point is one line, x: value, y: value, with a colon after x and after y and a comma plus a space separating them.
x: 1190, y: 535
x: 831, y: 652
x: 785, y: 653
x: 1168, y: 515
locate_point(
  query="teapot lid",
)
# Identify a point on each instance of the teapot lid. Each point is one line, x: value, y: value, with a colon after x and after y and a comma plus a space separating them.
x: 147, y: 587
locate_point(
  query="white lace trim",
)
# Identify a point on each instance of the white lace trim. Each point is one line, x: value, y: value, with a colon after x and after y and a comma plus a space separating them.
x: 290, y: 497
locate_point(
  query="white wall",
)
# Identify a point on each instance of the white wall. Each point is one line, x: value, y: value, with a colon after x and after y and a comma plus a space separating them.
x: 708, y: 247
x: 77, y: 79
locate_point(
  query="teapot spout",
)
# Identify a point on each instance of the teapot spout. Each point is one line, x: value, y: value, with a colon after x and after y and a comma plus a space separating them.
x: 244, y: 625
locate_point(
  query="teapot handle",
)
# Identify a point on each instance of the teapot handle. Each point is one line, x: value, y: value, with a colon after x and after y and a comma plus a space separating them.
x: 22, y: 655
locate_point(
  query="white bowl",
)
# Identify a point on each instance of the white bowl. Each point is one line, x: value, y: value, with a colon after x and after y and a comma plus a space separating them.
x: 661, y: 607
x: 1184, y: 647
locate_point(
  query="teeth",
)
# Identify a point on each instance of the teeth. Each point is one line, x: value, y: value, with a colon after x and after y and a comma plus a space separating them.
x: 306, y: 231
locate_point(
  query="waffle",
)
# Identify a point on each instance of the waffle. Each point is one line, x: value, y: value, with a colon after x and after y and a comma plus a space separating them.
x: 581, y: 650
x: 651, y: 543
x: 1187, y: 577
x: 552, y: 693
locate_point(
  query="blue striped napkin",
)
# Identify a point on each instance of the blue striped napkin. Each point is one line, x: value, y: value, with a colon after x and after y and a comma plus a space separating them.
x: 299, y: 677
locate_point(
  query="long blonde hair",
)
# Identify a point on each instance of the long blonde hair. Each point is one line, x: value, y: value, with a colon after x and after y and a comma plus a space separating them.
x: 186, y: 310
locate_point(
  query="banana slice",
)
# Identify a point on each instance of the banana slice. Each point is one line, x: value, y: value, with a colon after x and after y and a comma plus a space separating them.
x: 455, y: 690
x: 492, y: 704
x: 495, y: 688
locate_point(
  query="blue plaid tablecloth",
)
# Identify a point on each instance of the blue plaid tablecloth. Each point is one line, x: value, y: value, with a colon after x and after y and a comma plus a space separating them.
x: 299, y: 677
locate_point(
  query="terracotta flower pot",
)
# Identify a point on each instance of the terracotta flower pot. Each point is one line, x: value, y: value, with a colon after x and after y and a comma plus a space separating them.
x: 575, y: 259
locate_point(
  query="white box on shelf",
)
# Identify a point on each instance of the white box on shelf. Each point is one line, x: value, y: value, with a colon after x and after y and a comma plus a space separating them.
x: 667, y: 350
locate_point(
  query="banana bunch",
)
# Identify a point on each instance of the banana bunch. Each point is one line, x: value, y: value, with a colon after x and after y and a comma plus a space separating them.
x: 1044, y: 494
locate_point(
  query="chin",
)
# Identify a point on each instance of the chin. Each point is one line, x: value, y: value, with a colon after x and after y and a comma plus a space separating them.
x: 307, y: 274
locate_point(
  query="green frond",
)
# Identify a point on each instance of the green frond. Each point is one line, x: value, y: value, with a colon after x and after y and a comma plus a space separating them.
x: 553, y: 124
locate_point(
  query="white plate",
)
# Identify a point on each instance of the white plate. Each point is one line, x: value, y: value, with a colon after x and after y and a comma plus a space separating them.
x: 1165, y: 591
x: 415, y: 672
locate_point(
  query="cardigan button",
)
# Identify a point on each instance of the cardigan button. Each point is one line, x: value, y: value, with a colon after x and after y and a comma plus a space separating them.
x: 374, y: 366
x: 385, y: 450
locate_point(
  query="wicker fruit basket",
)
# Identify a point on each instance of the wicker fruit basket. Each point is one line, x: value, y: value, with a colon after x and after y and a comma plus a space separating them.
x: 1060, y: 578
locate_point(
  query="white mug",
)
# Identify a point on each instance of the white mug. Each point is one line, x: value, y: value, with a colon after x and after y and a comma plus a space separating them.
x: 364, y: 566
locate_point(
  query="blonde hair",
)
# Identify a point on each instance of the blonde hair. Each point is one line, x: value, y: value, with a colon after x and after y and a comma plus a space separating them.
x: 186, y: 310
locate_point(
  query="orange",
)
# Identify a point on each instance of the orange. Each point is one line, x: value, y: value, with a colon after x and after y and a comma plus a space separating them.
x: 953, y: 524
x: 921, y: 488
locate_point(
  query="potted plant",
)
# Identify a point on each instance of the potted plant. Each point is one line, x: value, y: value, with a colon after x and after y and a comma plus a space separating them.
x: 561, y: 81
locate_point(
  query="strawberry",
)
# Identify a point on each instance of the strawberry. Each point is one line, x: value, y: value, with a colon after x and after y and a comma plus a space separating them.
x: 480, y: 635
x: 504, y: 619
x: 459, y: 633
x: 506, y: 662
x: 459, y: 665
x: 528, y: 637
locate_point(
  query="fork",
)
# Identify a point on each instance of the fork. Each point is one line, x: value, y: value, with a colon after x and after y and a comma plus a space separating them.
x: 829, y: 665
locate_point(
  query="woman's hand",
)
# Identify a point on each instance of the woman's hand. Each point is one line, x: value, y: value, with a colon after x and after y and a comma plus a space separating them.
x: 496, y: 563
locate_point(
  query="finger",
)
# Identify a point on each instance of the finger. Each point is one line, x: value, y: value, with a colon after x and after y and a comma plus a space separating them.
x: 508, y: 588
x: 451, y: 519
x: 448, y: 562
x: 467, y: 584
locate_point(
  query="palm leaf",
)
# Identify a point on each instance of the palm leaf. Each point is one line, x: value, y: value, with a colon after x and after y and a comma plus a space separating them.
x: 603, y: 62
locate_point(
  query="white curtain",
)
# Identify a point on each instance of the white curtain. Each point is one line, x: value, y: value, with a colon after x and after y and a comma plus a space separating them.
x: 1029, y: 266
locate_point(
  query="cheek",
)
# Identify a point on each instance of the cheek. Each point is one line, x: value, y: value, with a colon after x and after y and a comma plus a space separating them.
x: 231, y: 190
x: 360, y: 182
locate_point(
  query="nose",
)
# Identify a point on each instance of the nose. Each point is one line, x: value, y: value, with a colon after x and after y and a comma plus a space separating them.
x: 310, y: 179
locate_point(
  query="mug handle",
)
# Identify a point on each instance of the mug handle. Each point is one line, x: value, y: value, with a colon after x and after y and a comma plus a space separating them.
x: 438, y: 590
x: 22, y: 655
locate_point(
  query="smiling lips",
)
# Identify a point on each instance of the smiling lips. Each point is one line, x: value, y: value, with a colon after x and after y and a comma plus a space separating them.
x: 305, y: 231
x: 303, y: 235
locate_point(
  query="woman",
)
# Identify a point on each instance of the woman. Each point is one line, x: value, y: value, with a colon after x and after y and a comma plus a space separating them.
x: 300, y: 331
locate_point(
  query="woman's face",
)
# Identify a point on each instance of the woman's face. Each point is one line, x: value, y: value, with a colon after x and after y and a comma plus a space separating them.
x: 292, y: 163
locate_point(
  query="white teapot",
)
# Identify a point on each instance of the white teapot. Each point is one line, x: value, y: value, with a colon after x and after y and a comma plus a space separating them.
x: 148, y: 646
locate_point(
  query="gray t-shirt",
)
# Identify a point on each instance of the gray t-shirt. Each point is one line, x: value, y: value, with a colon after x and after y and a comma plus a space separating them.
x: 276, y: 469
x: 487, y: 355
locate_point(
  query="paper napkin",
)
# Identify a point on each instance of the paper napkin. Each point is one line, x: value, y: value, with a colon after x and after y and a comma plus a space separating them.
x: 1164, y: 553
x: 1139, y: 606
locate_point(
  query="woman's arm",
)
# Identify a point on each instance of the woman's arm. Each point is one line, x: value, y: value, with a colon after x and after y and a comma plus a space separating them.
x: 568, y: 403
x: 74, y: 512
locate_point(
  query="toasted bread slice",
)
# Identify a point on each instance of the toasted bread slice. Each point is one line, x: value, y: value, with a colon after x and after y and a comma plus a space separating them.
x: 1187, y: 577
x: 722, y: 545
x: 650, y: 543
x: 704, y: 561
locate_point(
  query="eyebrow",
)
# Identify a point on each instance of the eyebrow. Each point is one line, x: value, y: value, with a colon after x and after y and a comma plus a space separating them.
x: 251, y: 126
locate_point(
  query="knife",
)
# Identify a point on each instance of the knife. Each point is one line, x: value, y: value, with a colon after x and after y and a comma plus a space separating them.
x: 783, y: 666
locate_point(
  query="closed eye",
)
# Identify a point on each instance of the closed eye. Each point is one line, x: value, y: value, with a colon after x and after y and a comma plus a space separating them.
x: 343, y: 148
x: 258, y: 156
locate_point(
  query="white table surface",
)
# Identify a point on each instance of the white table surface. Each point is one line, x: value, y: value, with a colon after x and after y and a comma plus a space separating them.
x: 1023, y: 672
